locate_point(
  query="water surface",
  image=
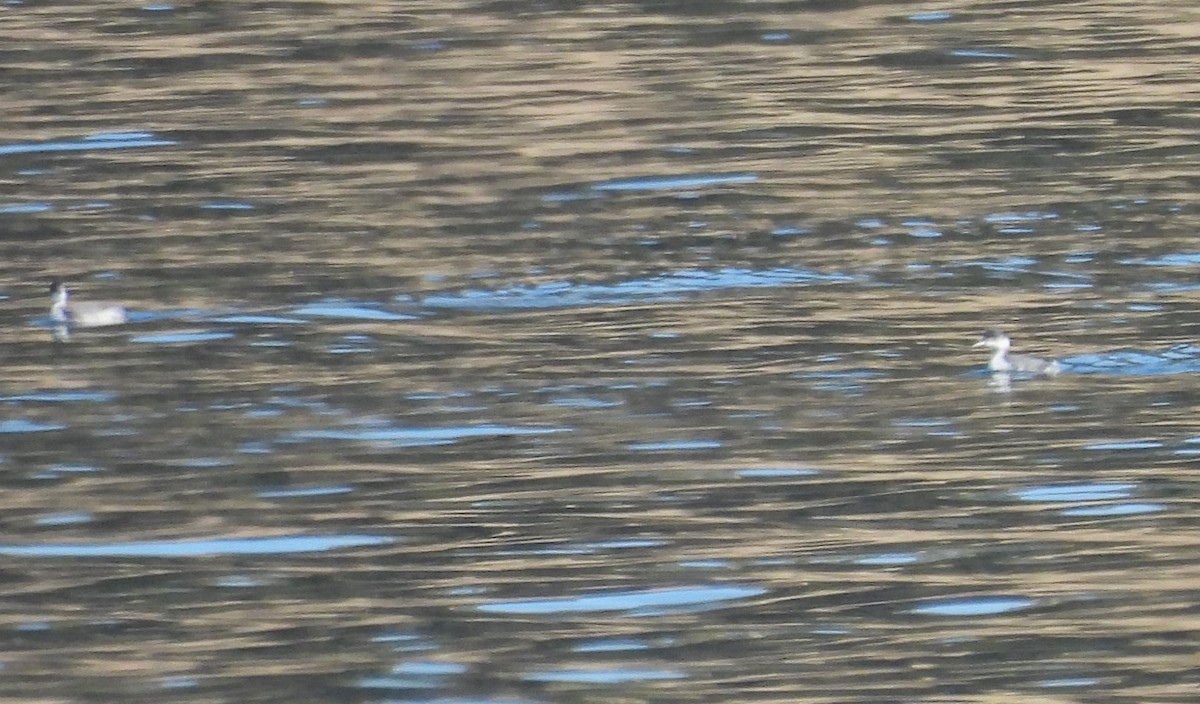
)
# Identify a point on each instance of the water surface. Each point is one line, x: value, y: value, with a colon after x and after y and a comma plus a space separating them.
x: 510, y: 352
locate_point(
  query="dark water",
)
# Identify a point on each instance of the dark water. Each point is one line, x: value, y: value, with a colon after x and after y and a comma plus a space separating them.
x: 541, y: 352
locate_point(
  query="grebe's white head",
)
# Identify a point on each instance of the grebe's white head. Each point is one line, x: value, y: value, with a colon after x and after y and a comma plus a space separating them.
x: 994, y: 340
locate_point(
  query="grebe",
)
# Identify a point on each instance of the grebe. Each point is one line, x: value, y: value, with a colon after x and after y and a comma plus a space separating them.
x: 82, y: 315
x: 1001, y: 361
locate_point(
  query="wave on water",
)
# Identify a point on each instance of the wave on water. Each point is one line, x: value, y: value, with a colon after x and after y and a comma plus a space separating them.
x: 670, y: 286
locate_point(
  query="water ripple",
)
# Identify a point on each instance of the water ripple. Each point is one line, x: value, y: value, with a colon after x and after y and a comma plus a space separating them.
x: 197, y: 548
x: 604, y: 676
x: 666, y: 287
x: 63, y: 396
x: 412, y: 437
x: 631, y: 600
x: 347, y: 311
x: 975, y: 606
x: 1057, y: 493
x: 173, y: 338
x: 118, y: 140
x: 19, y: 425
x: 1180, y: 359
x: 659, y: 183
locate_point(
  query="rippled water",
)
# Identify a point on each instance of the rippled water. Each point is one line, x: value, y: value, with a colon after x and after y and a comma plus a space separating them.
x: 538, y: 352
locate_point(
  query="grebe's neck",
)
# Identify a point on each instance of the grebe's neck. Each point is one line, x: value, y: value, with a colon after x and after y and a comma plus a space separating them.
x: 58, y: 308
x: 998, y: 362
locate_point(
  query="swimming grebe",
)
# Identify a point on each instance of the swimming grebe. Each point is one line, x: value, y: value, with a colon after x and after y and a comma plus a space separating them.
x: 83, y: 315
x: 1001, y: 361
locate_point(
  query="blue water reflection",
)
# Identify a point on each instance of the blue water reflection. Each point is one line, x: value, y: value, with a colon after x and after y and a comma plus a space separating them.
x: 250, y: 319
x: 584, y: 548
x: 430, y: 667
x: 198, y: 548
x: 304, y: 492
x: 931, y: 16
x: 981, y: 54
x: 1124, y: 509
x: 1069, y: 682
x: 1124, y: 445
x: 394, y: 436
x: 19, y: 425
x: 1179, y: 359
x: 611, y: 645
x: 974, y: 606
x: 775, y: 472
x: 181, y: 338
x: 227, y: 205
x: 674, y: 445
x: 658, y: 183
x: 64, y: 519
x: 12, y: 208
x: 605, y: 675
x: 116, y: 140
x: 890, y: 559
x: 630, y: 600
x: 63, y: 397
x: 1055, y: 493
x: 665, y: 287
x: 179, y: 683
x: 348, y: 311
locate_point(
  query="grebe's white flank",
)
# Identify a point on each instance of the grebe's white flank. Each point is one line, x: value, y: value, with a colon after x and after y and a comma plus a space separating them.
x: 82, y: 315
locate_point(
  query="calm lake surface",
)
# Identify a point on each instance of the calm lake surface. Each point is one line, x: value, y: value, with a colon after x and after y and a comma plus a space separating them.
x: 505, y: 352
